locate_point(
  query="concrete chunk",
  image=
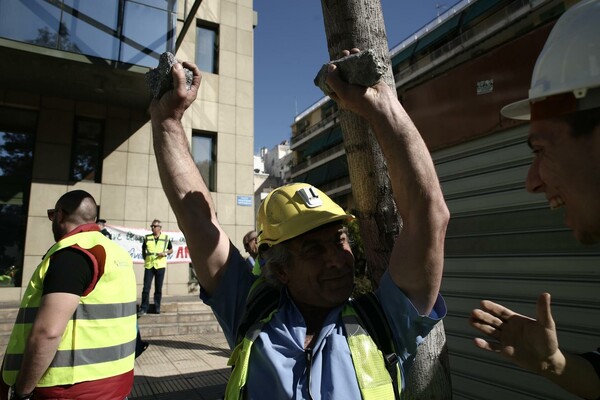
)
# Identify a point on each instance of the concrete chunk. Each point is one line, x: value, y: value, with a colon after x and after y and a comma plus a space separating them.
x: 362, y: 68
x: 160, y: 80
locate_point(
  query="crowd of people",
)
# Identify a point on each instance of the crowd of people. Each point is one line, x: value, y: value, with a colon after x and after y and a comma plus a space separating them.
x: 287, y: 311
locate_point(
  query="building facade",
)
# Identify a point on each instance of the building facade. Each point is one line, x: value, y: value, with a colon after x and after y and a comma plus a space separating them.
x: 453, y: 76
x: 73, y: 115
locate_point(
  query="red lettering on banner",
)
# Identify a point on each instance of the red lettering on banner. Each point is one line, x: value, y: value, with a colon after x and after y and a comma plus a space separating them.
x: 182, y: 252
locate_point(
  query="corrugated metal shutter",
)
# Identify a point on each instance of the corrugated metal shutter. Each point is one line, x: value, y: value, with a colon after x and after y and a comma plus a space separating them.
x: 506, y: 245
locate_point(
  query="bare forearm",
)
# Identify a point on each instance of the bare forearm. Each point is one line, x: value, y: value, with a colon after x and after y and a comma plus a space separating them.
x: 191, y: 201
x: 179, y: 174
x: 574, y: 374
x: 417, y: 260
x: 40, y: 352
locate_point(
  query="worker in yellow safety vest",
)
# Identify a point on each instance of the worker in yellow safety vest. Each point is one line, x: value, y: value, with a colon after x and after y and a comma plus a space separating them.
x: 74, y: 336
x: 155, y: 249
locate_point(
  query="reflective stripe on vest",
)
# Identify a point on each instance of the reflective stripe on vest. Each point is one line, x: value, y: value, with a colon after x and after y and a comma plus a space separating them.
x: 372, y: 376
x: 86, y: 311
x: 153, y: 248
x: 371, y: 373
x: 99, y: 339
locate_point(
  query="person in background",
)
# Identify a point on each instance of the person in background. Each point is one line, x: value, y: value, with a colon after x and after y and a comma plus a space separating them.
x: 564, y: 112
x: 74, y: 337
x: 155, y: 249
x: 102, y: 225
x: 251, y: 246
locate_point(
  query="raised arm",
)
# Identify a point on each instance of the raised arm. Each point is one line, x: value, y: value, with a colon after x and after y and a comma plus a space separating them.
x: 187, y: 193
x: 417, y: 258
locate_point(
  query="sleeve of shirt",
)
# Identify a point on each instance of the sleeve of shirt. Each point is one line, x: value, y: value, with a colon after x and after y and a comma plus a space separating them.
x: 169, y: 245
x: 70, y: 271
x: 228, y: 302
x: 594, y: 358
x: 408, y: 327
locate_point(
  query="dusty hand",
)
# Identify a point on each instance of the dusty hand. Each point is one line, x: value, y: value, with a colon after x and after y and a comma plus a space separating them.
x: 173, y: 103
x: 530, y: 343
x: 362, y: 100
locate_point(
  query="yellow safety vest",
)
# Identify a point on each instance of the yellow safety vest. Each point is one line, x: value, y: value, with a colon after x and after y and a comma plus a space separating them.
x: 99, y: 340
x: 153, y: 248
x: 373, y: 378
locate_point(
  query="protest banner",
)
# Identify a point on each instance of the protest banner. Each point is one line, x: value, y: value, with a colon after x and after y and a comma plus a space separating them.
x: 131, y: 239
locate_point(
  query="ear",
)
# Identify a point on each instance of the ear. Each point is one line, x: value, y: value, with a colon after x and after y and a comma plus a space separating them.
x: 281, y: 274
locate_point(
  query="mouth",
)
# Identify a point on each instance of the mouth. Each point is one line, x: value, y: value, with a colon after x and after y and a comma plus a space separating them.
x: 556, y: 202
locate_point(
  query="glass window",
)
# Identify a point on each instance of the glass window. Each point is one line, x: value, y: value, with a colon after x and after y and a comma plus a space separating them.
x: 129, y: 31
x: 17, y: 139
x: 86, y: 159
x: 207, y: 49
x: 147, y: 33
x: 42, y: 21
x: 204, y: 152
x: 167, y: 5
x: 89, y: 27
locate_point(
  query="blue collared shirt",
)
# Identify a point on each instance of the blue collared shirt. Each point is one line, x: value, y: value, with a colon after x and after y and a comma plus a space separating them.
x: 279, y: 367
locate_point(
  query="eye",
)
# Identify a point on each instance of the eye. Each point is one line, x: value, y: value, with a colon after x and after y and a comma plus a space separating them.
x: 313, y: 250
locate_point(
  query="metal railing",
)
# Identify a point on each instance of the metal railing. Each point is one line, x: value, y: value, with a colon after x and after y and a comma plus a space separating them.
x: 314, y: 128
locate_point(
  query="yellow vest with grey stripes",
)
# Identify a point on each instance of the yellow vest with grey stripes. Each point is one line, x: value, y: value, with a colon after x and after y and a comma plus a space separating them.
x: 153, y: 247
x: 99, y: 340
x: 373, y: 378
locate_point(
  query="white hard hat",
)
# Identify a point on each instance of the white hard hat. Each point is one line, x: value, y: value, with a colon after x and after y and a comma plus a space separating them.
x: 569, y: 65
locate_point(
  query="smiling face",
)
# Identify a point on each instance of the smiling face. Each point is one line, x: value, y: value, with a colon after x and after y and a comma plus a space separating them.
x: 567, y: 169
x: 321, y: 271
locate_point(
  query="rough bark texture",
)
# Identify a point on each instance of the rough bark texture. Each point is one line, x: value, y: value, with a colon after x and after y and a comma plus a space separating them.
x: 359, y: 23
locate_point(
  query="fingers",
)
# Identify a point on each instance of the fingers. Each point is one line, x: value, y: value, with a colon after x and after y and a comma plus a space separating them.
x: 195, y: 70
x: 179, y: 79
x: 486, y: 323
x: 544, y: 313
x: 485, y: 345
x: 497, y: 310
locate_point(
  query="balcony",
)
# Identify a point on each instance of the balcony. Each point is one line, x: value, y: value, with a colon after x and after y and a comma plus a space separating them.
x: 314, y: 130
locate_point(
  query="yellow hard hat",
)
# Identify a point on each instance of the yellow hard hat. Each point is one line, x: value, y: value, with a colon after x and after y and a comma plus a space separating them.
x: 294, y: 209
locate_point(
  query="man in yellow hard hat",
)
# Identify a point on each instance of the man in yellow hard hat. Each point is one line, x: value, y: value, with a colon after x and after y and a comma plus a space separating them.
x: 564, y: 110
x: 313, y: 345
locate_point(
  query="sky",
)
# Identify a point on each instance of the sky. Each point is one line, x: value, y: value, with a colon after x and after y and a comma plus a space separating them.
x: 290, y: 46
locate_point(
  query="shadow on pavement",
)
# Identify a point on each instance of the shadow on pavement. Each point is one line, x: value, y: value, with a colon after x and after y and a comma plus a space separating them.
x: 206, y: 385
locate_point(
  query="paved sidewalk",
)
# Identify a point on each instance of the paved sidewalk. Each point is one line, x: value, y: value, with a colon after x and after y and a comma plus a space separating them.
x: 190, y: 367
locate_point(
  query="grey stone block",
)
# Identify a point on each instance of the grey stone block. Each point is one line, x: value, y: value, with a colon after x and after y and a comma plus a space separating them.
x: 160, y: 80
x: 362, y: 68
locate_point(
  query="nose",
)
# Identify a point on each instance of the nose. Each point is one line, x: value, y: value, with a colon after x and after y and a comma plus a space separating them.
x: 534, y: 183
x: 335, y: 255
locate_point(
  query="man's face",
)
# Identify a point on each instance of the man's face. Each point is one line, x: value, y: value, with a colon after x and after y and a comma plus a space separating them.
x: 321, y: 273
x: 567, y: 170
x: 251, y: 246
x: 54, y: 216
x: 155, y: 228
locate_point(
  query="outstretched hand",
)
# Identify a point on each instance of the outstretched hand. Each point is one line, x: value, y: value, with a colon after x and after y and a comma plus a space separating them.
x: 530, y: 343
x: 174, y: 102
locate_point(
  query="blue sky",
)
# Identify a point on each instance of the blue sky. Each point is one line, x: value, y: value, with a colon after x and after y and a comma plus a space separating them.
x: 290, y: 47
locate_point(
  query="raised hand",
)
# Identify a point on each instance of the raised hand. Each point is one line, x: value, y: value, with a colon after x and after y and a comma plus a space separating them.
x: 529, y: 343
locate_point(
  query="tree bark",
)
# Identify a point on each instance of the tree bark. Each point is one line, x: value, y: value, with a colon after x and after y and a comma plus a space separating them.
x: 359, y: 23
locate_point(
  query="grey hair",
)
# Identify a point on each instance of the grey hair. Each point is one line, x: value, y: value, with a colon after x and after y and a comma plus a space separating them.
x: 276, y: 256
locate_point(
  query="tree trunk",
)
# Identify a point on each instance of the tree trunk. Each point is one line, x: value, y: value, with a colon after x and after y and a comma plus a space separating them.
x: 359, y: 23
